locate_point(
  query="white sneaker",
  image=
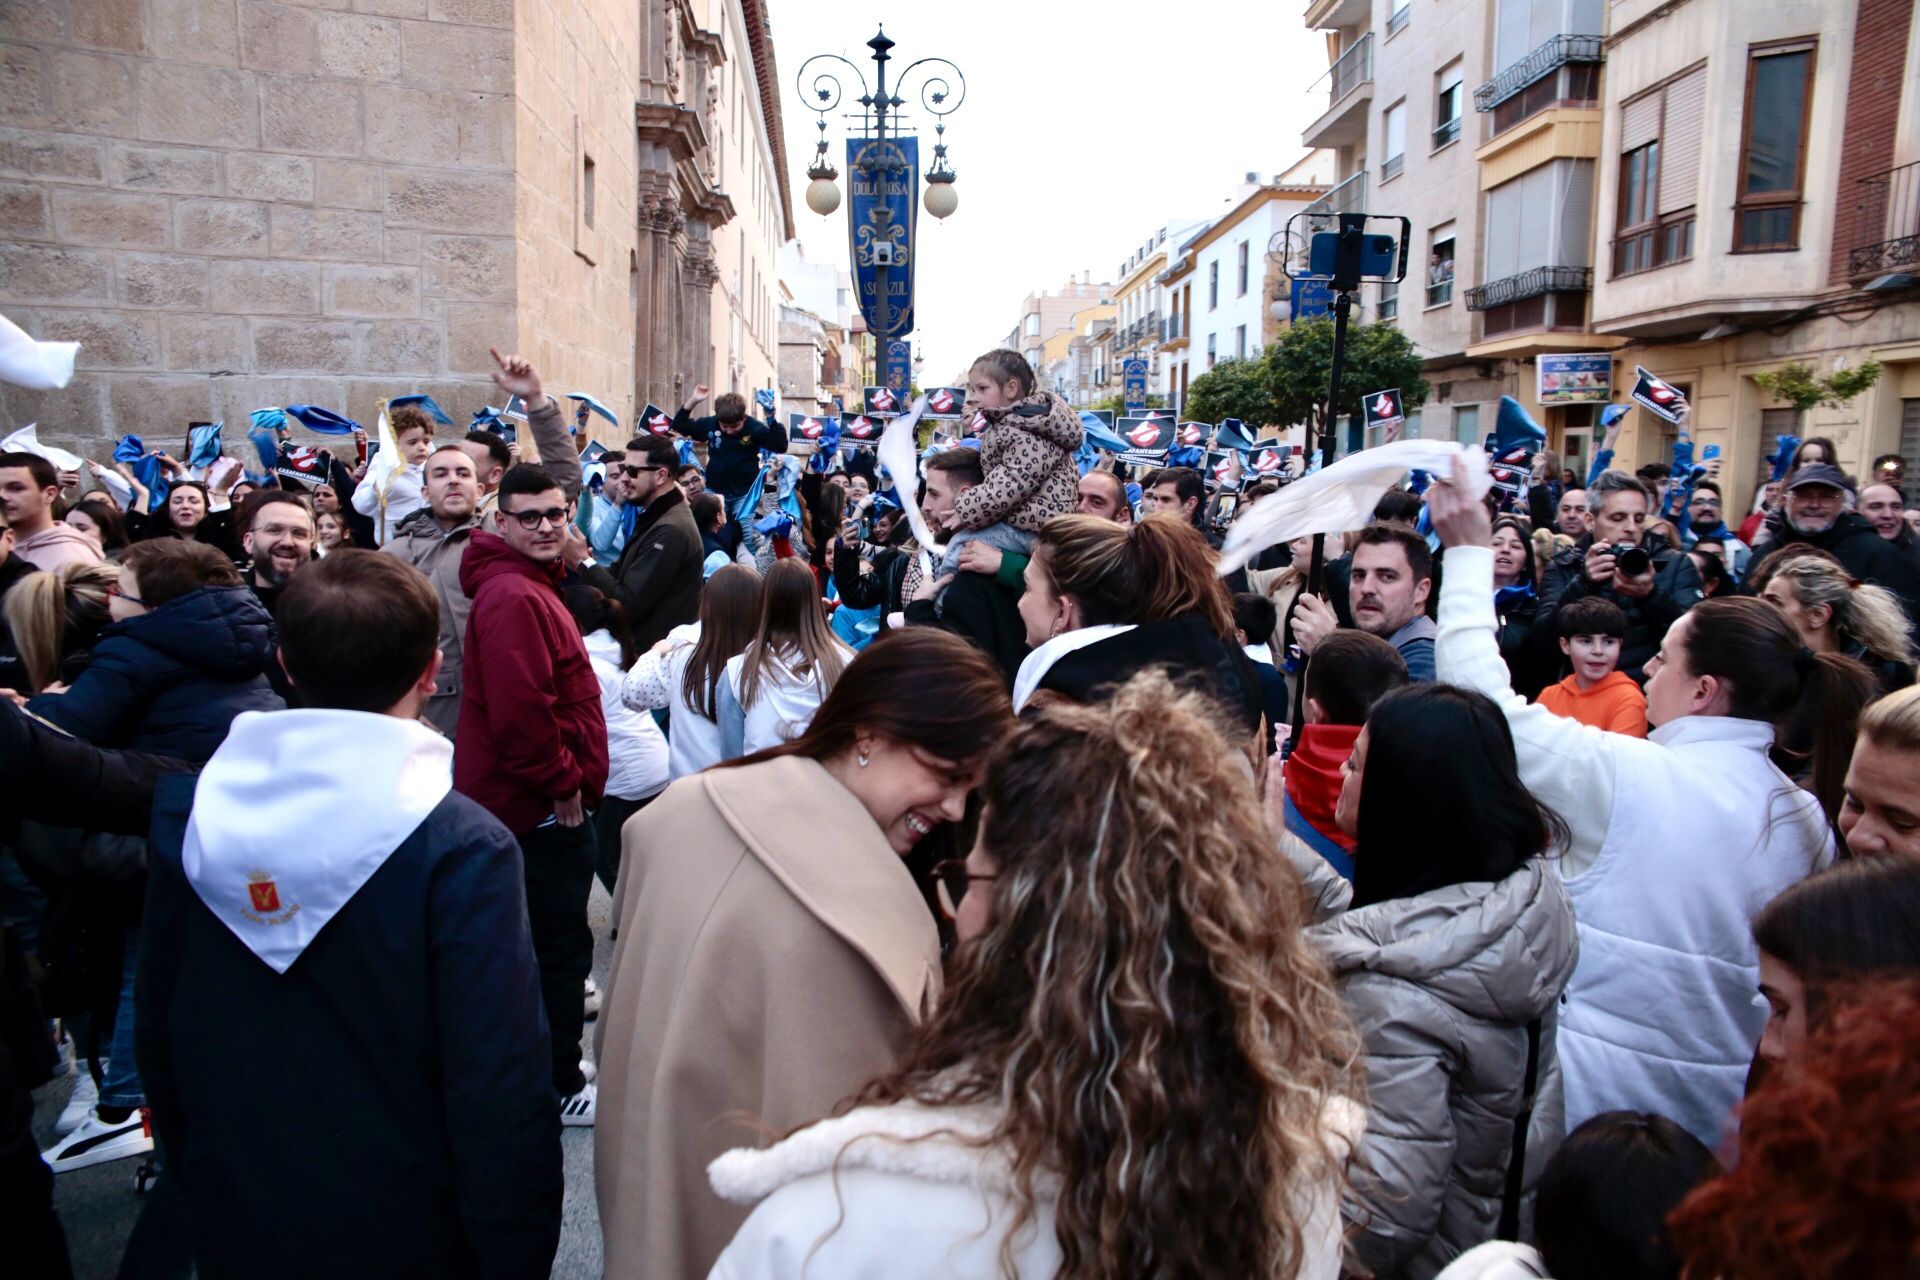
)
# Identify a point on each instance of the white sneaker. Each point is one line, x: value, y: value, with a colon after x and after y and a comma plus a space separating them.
x: 86, y: 1092
x: 97, y: 1142
x: 592, y: 995
x: 577, y: 1111
x: 588, y: 1070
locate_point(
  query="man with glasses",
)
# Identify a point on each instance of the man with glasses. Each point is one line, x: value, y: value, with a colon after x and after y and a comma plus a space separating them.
x: 435, y: 541
x: 657, y: 577
x: 531, y: 745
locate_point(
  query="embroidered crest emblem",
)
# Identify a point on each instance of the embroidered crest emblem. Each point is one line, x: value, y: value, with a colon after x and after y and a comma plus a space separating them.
x: 263, y: 900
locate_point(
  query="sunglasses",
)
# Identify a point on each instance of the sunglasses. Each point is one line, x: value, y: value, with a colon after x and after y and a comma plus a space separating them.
x: 951, y: 880
x: 532, y: 520
x: 631, y: 472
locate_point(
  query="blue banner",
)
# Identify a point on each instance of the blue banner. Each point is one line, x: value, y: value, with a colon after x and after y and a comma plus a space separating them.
x: 1133, y: 383
x: 1311, y: 298
x: 884, y: 179
x: 896, y: 372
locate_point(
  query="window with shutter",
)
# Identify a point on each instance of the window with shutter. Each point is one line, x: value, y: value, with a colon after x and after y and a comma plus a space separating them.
x: 1659, y: 174
x: 1773, y: 150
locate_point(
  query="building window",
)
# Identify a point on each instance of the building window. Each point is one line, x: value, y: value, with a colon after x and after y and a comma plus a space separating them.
x: 1033, y: 324
x: 1398, y: 18
x: 1389, y: 299
x: 1241, y: 269
x: 1212, y: 350
x: 1440, y: 267
x: 586, y: 190
x: 1659, y: 173
x: 1773, y: 148
x: 1240, y: 343
x: 1394, y: 127
x: 1447, y: 105
x: 1213, y: 285
x: 1466, y: 424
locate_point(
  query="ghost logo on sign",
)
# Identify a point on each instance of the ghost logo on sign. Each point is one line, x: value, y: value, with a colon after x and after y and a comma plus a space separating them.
x: 942, y: 401
x: 1144, y: 435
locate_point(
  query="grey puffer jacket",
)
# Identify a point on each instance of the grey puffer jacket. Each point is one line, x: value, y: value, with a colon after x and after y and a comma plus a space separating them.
x: 1441, y: 987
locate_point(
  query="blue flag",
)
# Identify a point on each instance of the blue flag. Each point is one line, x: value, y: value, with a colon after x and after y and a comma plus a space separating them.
x: 146, y: 468
x: 325, y: 421
x: 424, y: 402
x: 203, y: 444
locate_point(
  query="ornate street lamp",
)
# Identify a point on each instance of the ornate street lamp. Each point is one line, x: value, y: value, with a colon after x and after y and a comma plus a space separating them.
x: 880, y: 169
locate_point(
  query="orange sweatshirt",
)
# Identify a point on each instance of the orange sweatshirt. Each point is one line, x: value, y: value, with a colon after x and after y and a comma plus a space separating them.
x: 1614, y: 704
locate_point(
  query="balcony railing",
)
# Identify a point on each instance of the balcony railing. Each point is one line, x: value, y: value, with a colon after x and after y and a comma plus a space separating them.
x: 1529, y: 284
x: 1446, y: 131
x: 1348, y: 197
x: 1886, y: 223
x: 1349, y: 71
x: 1398, y: 18
x: 1545, y: 60
x: 1175, y: 328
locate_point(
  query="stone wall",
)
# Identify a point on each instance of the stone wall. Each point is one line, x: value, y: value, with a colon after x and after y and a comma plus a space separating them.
x: 578, y: 73
x: 233, y: 204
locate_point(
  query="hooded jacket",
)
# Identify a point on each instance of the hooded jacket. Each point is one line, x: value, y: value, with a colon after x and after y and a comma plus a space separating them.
x: 531, y: 732
x: 1441, y: 987
x: 1676, y: 589
x: 171, y: 680
x: 1026, y: 451
x: 1858, y: 546
x: 437, y: 552
x: 1081, y: 664
x: 341, y: 1034
x: 1676, y: 839
x: 848, y: 1184
x: 658, y: 577
x: 784, y: 701
x: 56, y: 545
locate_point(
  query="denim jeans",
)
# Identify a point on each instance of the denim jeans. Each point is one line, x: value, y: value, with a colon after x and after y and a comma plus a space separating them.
x: 120, y: 1083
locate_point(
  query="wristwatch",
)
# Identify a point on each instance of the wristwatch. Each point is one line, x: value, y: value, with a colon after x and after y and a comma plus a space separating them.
x: 588, y: 562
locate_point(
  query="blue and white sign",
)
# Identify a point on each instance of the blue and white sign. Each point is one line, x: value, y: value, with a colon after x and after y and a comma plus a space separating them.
x: 1310, y: 298
x: 1574, y: 379
x: 1133, y: 386
x: 897, y: 368
x: 884, y: 179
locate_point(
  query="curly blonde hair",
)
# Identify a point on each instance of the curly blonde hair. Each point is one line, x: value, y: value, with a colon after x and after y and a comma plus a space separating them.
x: 1143, y: 1013
x: 1868, y: 615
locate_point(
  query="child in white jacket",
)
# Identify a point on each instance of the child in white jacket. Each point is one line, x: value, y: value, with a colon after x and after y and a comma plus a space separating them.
x: 406, y: 491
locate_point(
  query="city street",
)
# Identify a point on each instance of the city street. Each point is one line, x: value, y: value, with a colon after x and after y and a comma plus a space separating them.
x: 98, y: 1207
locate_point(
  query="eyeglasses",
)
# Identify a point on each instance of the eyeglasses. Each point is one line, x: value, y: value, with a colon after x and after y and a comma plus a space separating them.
x: 532, y: 520
x: 951, y: 880
x: 114, y: 590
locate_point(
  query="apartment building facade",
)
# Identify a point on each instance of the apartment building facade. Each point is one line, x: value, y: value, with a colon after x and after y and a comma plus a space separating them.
x: 1141, y: 303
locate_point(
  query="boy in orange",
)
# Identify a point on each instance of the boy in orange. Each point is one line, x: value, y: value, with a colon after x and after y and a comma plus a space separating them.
x: 1591, y: 631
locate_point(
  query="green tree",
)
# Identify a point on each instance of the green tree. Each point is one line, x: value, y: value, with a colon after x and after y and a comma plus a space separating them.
x: 1300, y: 369
x: 1234, y: 389
x: 1797, y: 384
x: 1117, y: 404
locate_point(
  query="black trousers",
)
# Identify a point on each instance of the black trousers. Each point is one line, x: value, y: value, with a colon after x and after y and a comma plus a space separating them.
x: 559, y: 873
x: 608, y: 819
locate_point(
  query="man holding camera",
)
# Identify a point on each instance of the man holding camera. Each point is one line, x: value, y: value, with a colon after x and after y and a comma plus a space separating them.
x: 1650, y: 579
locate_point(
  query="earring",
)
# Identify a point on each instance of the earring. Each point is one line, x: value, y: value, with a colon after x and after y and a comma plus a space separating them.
x: 860, y: 757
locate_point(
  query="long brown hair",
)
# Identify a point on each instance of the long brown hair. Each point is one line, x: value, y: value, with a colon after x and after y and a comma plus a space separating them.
x: 884, y: 691
x: 791, y: 631
x: 1156, y: 569
x: 729, y: 605
x: 54, y: 615
x: 1813, y: 701
x: 1143, y: 1014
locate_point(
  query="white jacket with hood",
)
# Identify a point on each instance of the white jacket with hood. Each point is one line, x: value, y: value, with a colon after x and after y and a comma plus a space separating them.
x: 1677, y: 840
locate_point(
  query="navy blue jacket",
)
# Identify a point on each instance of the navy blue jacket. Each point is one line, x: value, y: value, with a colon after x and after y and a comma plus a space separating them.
x: 172, y: 680
x: 385, y: 1107
x: 732, y: 461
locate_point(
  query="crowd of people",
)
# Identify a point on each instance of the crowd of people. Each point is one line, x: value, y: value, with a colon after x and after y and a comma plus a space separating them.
x: 1514, y: 885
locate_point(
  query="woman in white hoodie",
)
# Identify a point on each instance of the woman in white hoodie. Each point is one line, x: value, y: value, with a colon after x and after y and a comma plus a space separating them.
x: 1676, y: 841
x: 1139, y: 1069
x: 636, y: 749
x: 772, y: 690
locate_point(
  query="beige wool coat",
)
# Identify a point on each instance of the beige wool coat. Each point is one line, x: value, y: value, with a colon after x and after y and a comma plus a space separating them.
x: 774, y: 955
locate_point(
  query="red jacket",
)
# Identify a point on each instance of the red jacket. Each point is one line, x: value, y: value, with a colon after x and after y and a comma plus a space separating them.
x: 531, y: 731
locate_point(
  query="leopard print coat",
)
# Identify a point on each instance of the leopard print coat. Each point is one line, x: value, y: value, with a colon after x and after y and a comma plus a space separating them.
x: 1026, y: 451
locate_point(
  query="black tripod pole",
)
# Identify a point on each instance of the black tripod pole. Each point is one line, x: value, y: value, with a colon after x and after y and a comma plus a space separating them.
x: 1342, y: 308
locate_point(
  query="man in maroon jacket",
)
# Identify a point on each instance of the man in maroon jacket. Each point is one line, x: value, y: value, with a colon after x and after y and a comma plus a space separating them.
x: 531, y: 745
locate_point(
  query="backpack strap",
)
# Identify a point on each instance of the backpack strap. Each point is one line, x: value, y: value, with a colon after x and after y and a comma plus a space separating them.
x: 1517, y: 1160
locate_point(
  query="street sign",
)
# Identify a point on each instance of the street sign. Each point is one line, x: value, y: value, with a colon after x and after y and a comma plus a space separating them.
x: 1133, y: 383
x: 1311, y: 298
x: 897, y: 374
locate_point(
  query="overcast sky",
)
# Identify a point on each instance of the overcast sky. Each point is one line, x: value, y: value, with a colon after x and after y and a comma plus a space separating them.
x: 1085, y: 128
